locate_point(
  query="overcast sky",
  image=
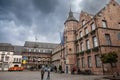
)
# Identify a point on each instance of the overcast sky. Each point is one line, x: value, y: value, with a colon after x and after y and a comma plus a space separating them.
x: 22, y: 20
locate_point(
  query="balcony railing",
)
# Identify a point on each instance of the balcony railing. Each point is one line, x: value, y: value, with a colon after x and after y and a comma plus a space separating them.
x: 95, y: 49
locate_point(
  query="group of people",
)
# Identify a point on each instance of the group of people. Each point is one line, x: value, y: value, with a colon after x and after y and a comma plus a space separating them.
x: 43, y: 70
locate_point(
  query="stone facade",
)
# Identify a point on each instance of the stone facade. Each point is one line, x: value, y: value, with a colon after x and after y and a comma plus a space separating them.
x: 56, y: 56
x: 37, y: 54
x: 6, y: 56
x: 85, y: 40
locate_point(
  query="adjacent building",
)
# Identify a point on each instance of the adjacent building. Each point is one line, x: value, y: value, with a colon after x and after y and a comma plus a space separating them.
x: 6, y: 56
x: 17, y: 57
x: 57, y: 55
x: 37, y: 54
x: 89, y: 37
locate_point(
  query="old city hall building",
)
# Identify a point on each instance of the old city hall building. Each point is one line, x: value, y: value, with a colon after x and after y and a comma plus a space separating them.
x: 85, y: 40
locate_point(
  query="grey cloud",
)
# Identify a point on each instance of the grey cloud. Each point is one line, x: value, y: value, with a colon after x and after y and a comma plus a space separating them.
x: 45, y: 6
x: 41, y: 18
x: 93, y: 6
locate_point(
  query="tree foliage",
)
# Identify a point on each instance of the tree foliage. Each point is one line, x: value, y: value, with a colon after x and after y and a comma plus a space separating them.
x: 110, y: 57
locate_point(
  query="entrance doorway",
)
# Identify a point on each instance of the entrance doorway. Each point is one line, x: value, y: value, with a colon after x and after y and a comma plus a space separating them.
x: 66, y: 69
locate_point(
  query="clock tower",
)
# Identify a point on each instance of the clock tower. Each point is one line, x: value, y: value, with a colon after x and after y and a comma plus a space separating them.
x: 69, y: 42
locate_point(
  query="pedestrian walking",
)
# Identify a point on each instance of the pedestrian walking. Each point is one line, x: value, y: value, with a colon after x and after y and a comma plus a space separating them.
x: 48, y: 76
x: 42, y: 73
x: 55, y: 69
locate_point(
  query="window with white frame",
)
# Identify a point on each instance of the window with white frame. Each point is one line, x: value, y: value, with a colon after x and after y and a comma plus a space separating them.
x: 93, y: 26
x: 6, y: 58
x: 89, y: 62
x: 14, y: 59
x: 78, y: 63
x: 86, y: 30
x: 29, y: 50
x: 87, y: 44
x: 83, y: 62
x: 34, y: 50
x: 20, y: 60
x: 97, y: 60
x: 95, y: 43
x: 77, y: 48
x: 83, y: 22
x: 104, y: 23
x: 108, y: 41
x: 81, y: 34
x: 82, y: 47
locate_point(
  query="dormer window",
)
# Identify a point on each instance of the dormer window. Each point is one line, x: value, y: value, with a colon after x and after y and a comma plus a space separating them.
x: 104, y: 23
x: 83, y: 22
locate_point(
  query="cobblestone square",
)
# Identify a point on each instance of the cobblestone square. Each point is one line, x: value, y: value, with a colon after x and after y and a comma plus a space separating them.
x: 53, y: 76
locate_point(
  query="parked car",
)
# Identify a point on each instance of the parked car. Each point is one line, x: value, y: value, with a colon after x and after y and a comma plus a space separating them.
x: 16, y: 68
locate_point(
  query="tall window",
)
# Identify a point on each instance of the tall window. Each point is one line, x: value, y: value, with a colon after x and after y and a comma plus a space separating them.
x: 95, y: 43
x: 86, y: 30
x: 108, y: 41
x: 83, y: 22
x: 29, y: 50
x: 77, y: 37
x: 89, y: 62
x: 78, y: 62
x: 97, y: 60
x: 20, y: 60
x: 104, y: 23
x: 82, y: 47
x: 93, y: 26
x: 87, y: 44
x: 14, y: 59
x: 118, y: 36
x: 83, y: 62
x: 17, y: 60
x: 81, y: 34
x: 77, y: 48
x: 6, y: 58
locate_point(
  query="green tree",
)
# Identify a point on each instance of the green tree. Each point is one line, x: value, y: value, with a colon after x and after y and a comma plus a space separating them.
x: 110, y: 58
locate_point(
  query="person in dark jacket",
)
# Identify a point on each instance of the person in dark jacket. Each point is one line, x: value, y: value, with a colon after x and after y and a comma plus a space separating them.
x: 48, y: 76
x: 42, y: 72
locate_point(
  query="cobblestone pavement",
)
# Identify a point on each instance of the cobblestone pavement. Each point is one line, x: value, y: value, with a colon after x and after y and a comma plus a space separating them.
x: 53, y: 76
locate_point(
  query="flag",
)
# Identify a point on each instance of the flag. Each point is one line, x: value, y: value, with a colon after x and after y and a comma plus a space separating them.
x: 62, y: 38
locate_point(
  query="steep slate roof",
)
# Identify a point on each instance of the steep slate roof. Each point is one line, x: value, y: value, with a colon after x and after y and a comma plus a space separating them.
x: 6, y: 47
x: 70, y: 17
x: 40, y: 45
x: 18, y: 50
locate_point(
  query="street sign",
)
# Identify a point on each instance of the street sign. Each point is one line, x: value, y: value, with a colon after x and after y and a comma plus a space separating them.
x: 24, y: 58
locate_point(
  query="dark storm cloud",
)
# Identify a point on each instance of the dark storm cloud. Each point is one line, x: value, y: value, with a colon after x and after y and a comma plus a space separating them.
x: 22, y: 20
x: 45, y: 6
x: 16, y: 10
